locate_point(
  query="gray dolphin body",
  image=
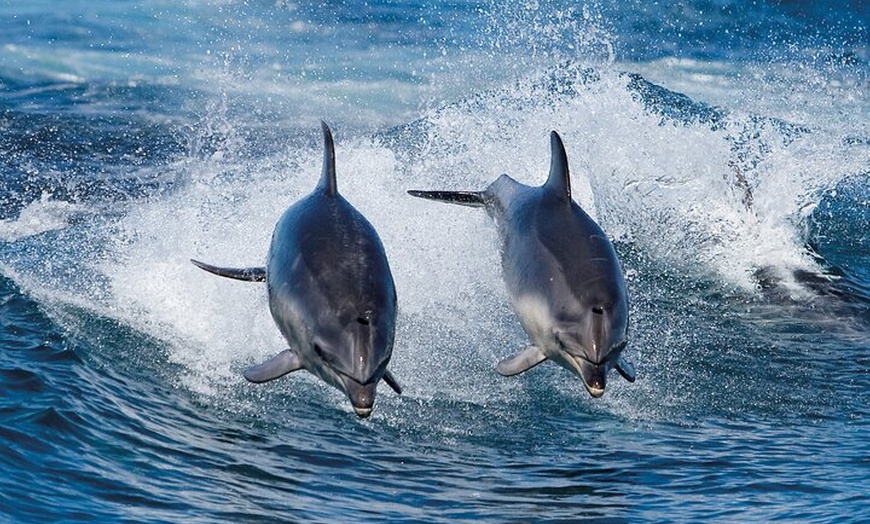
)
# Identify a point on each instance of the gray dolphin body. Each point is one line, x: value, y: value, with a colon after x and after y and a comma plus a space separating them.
x: 331, y: 293
x: 562, y: 274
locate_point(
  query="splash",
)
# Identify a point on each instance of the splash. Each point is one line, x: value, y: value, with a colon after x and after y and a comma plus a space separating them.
x: 706, y: 193
x: 718, y: 194
x: 40, y: 216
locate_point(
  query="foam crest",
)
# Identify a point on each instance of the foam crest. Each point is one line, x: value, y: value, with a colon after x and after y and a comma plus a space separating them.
x: 40, y: 216
x: 214, y: 324
x: 717, y: 194
x: 225, y: 216
x: 672, y: 188
x: 670, y: 181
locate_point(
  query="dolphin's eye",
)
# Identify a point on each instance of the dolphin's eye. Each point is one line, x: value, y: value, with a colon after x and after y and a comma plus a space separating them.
x: 318, y: 350
x: 324, y: 355
x: 598, y: 310
x: 366, y: 318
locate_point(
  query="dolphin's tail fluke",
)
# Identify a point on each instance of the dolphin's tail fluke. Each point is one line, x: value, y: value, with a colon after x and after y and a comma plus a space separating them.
x: 462, y: 198
x: 250, y: 274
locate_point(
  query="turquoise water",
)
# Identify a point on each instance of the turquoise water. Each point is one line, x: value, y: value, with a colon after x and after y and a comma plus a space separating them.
x: 723, y: 146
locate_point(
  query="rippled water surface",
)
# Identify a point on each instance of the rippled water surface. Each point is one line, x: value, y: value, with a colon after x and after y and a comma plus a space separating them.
x: 723, y: 147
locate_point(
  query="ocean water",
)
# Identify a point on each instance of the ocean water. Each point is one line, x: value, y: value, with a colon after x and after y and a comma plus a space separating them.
x: 723, y: 145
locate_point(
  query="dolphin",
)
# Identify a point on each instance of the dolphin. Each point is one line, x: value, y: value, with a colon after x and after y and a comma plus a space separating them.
x: 562, y: 274
x: 331, y: 293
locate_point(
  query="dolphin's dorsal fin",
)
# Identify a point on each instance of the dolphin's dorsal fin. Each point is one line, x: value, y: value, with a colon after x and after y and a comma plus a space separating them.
x: 327, y: 177
x: 559, y: 181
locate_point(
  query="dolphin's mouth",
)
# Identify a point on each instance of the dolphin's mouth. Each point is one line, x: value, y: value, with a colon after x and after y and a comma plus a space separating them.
x: 594, y: 391
x: 594, y: 376
x: 362, y: 412
x: 361, y: 396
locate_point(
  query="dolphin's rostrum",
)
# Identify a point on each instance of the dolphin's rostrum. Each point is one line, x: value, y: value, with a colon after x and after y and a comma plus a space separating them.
x: 331, y: 293
x: 562, y: 274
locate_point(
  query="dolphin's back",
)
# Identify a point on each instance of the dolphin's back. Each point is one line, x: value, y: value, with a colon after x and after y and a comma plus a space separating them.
x: 328, y: 268
x: 578, y: 254
x: 563, y: 240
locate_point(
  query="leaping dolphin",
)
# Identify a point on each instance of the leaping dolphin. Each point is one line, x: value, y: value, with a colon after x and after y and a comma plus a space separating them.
x: 331, y: 293
x: 562, y: 274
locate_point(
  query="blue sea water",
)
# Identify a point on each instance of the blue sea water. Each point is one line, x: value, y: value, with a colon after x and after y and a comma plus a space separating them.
x: 723, y: 145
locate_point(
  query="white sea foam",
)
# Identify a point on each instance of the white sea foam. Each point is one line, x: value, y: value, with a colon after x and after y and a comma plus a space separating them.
x: 40, y: 216
x: 667, y: 187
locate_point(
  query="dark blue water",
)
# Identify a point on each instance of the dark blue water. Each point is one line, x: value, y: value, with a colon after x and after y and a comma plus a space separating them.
x: 722, y: 145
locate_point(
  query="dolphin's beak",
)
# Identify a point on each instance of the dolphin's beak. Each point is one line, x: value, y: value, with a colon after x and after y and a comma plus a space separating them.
x: 594, y: 376
x: 362, y: 396
x: 362, y: 412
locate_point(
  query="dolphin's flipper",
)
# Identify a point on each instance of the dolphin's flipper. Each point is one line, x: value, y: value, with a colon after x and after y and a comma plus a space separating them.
x: 626, y: 369
x: 277, y: 366
x: 250, y: 274
x: 392, y: 382
x: 522, y: 361
x: 463, y: 198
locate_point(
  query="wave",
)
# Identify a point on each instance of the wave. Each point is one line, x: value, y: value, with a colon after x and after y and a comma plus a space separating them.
x: 711, y: 190
x: 704, y: 204
x: 735, y: 191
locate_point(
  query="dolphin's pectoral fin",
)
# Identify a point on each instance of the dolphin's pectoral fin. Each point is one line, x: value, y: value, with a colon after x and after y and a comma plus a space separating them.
x: 463, y: 198
x: 277, y: 366
x: 392, y: 382
x: 519, y: 362
x: 250, y: 274
x: 626, y: 369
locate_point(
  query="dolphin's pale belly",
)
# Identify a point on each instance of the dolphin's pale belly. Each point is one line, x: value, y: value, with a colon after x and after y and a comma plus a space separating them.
x: 535, y: 315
